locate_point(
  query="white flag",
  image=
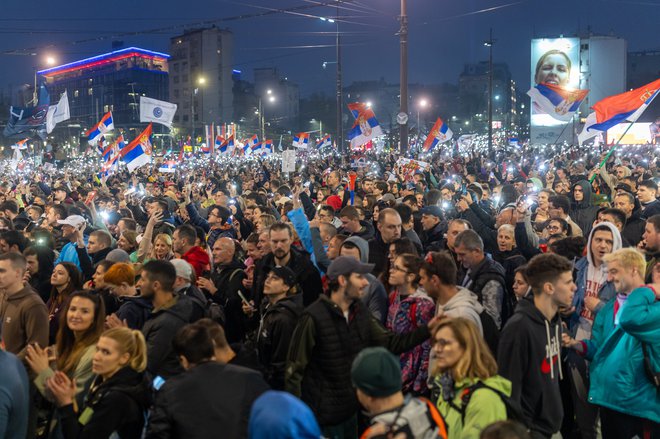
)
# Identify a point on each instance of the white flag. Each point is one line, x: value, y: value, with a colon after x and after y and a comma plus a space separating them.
x: 153, y: 110
x: 58, y: 113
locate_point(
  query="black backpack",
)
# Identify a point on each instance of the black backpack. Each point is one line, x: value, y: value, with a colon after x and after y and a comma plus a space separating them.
x: 491, y: 333
x: 512, y: 411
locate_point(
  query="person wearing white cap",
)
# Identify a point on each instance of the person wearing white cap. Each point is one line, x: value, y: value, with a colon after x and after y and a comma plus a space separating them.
x: 72, y: 230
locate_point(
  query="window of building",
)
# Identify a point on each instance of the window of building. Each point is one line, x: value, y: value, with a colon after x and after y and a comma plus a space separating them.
x: 176, y: 93
x: 175, y: 67
x: 185, y: 118
x: 90, y: 91
x: 176, y: 119
x: 106, y: 108
x: 91, y: 81
x: 175, y: 79
x: 76, y: 93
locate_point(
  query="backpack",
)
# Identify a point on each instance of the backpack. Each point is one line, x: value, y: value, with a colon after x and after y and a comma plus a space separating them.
x: 491, y: 333
x: 512, y: 411
x: 435, y: 422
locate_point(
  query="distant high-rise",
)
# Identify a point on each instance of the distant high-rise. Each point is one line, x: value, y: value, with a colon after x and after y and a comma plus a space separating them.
x: 201, y: 77
x: 109, y: 82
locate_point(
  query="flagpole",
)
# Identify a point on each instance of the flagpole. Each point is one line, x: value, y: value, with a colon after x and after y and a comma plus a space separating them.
x: 610, y: 152
x: 560, y: 134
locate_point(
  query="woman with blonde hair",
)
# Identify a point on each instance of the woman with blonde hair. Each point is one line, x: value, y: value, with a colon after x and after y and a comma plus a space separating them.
x: 119, y: 396
x: 468, y: 392
x: 158, y: 248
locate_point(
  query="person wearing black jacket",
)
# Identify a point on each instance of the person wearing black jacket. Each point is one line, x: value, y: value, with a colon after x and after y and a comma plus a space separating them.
x: 279, y: 315
x: 284, y: 254
x: 40, y: 266
x: 119, y: 396
x: 582, y: 211
x: 202, y: 401
x: 434, y: 228
x: 170, y: 314
x: 223, y: 285
x: 529, y: 352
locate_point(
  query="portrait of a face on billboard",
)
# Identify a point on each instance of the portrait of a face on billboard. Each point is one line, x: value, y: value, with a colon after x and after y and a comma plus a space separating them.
x: 555, y: 62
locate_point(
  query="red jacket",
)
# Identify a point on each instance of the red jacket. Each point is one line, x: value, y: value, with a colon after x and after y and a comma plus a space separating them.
x: 199, y: 259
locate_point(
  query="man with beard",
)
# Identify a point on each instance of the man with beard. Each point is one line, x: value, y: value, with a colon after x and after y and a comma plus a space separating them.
x: 224, y: 284
x: 283, y: 254
x: 183, y: 243
x: 170, y: 313
x: 651, y: 240
x: 329, y: 335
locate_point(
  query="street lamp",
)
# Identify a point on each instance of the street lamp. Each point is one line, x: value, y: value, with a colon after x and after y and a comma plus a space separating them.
x: 421, y: 105
x: 50, y: 61
x: 262, y: 119
x: 200, y: 82
x: 313, y: 121
x: 489, y: 44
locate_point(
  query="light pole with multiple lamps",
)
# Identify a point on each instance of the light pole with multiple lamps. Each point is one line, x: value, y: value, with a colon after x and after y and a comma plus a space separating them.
x: 262, y: 119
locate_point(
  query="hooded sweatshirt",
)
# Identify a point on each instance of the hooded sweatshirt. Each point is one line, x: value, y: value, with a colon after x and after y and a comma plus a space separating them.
x: 464, y: 304
x: 198, y: 258
x: 591, y: 281
x: 529, y: 355
x: 582, y: 212
x: 293, y: 419
x: 24, y: 320
x: 375, y: 297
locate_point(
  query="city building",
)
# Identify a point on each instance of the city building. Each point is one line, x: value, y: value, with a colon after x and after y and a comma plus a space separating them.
x: 112, y: 81
x: 201, y: 78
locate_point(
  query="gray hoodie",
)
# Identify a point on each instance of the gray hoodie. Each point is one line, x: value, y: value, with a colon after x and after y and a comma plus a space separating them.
x: 464, y: 304
x: 375, y: 297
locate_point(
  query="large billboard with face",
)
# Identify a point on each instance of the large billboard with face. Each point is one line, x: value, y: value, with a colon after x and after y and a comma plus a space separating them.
x: 554, y: 61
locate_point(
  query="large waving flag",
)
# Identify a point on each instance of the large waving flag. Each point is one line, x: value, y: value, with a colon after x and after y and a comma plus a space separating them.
x: 138, y: 152
x: 267, y: 147
x: 168, y: 166
x: 224, y: 146
x: 560, y: 103
x: 624, y: 107
x: 58, y: 113
x: 29, y: 120
x: 103, y: 126
x: 301, y: 140
x: 439, y: 133
x: 324, y: 141
x: 365, y: 127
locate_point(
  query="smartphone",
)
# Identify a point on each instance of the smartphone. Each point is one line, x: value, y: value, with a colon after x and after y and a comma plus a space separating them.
x: 243, y: 299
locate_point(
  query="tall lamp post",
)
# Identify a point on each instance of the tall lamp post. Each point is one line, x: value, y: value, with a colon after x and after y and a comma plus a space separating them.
x: 200, y: 81
x: 402, y: 117
x: 421, y: 105
x: 262, y: 119
x: 489, y: 44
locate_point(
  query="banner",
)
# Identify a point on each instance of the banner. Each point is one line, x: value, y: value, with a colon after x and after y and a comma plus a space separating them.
x: 153, y: 110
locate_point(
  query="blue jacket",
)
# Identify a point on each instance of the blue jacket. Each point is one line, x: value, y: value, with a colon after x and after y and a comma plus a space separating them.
x: 605, y: 294
x: 70, y: 254
x: 14, y: 397
x: 618, y: 378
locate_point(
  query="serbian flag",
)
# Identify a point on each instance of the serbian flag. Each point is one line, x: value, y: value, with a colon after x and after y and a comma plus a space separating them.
x: 138, y: 152
x: 324, y: 141
x: 226, y: 145
x: 115, y: 146
x: 560, y: 103
x: 439, y: 133
x: 267, y: 147
x: 251, y: 144
x: 168, y: 167
x: 103, y: 126
x: 301, y: 140
x: 365, y: 127
x: 624, y: 107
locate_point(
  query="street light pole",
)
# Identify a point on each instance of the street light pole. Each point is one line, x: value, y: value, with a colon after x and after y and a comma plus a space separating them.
x: 192, y: 115
x: 403, y: 89
x: 489, y: 44
x: 340, y: 126
x: 262, y: 127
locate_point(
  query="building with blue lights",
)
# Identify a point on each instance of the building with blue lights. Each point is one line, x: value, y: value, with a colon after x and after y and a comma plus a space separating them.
x: 109, y: 82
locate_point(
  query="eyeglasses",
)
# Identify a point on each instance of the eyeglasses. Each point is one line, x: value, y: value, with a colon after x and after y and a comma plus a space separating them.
x: 402, y: 270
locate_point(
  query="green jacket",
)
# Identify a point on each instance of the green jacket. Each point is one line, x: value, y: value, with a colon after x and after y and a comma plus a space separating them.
x: 484, y: 408
x: 618, y: 379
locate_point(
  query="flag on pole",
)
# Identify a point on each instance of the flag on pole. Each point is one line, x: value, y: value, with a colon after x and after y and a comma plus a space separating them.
x: 153, y: 110
x: 324, y: 141
x: 224, y: 146
x: 560, y: 103
x: 267, y: 147
x: 439, y: 133
x: 138, y: 152
x: 365, y: 127
x: 103, y: 126
x: 301, y: 140
x: 115, y: 146
x: 624, y: 107
x: 168, y: 167
x: 251, y: 144
x: 58, y: 113
x: 24, y: 120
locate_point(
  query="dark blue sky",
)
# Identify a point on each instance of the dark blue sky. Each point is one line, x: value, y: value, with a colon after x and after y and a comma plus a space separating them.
x: 443, y: 35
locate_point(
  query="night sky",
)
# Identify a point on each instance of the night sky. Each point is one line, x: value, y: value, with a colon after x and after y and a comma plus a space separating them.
x: 443, y: 35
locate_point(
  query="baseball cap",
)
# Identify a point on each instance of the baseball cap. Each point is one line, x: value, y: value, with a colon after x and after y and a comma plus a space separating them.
x: 282, y: 200
x: 432, y: 210
x: 376, y: 372
x: 344, y: 265
x: 76, y: 221
x: 183, y: 269
x: 286, y: 274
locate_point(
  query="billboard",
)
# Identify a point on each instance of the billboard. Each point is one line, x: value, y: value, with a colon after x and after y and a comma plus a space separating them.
x: 554, y: 61
x: 638, y: 134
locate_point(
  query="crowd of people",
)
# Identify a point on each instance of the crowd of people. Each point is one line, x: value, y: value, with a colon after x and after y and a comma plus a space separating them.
x: 515, y: 295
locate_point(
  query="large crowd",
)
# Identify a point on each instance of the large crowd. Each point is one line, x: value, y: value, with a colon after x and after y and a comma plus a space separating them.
x: 511, y: 295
